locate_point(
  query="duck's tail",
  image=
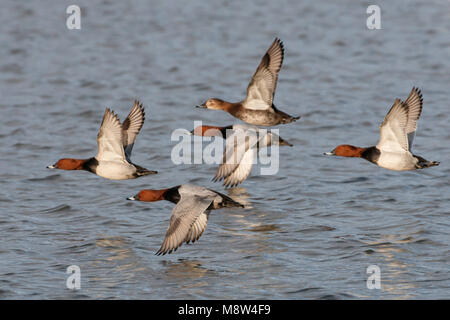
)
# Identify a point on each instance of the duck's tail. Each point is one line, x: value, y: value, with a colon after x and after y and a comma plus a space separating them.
x: 289, y: 119
x: 422, y: 164
x: 140, y: 171
x: 228, y: 202
x: 285, y: 118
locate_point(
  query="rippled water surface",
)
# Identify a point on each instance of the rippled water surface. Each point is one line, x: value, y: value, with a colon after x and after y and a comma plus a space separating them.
x: 312, y: 229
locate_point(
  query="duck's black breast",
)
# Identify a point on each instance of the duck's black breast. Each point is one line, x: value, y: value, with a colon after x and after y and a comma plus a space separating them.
x: 172, y: 195
x: 371, y: 154
x: 91, y: 165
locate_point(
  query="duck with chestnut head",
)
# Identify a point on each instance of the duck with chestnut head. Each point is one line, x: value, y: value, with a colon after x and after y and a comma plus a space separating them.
x: 190, y: 214
x: 115, y: 142
x: 397, y: 132
x: 257, y: 108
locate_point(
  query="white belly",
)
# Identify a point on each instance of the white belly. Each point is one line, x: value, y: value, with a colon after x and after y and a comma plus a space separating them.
x: 397, y: 161
x: 115, y: 170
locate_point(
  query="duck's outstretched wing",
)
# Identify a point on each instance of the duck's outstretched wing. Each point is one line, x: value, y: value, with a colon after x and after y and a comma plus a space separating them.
x: 415, y: 104
x: 110, y: 138
x: 188, y: 221
x: 242, y: 171
x: 262, y: 86
x: 131, y: 127
x: 237, y: 149
x: 393, y: 137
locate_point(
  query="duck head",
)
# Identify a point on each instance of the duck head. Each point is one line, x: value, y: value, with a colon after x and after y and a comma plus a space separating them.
x: 148, y: 195
x: 213, y: 104
x: 346, y: 150
x: 68, y: 164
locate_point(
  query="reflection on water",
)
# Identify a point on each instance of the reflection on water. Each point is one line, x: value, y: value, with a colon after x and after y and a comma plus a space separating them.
x: 182, y: 269
x: 117, y: 257
x: 265, y: 228
x: 396, y: 278
x: 187, y: 275
x: 240, y: 195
